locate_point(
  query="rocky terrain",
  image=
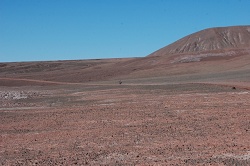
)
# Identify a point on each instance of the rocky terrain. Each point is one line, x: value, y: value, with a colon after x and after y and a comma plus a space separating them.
x: 212, y: 39
x: 183, y: 124
x: 184, y: 108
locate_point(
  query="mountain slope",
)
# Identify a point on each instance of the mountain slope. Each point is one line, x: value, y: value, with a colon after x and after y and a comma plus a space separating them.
x: 212, y: 39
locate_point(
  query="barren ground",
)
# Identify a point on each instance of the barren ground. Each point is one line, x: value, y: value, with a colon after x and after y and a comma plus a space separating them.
x: 127, y: 124
x: 163, y: 113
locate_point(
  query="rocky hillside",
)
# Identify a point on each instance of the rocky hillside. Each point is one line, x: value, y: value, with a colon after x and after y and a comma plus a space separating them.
x: 222, y: 38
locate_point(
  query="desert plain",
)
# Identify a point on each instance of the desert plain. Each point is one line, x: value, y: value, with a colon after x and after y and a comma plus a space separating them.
x: 185, y: 109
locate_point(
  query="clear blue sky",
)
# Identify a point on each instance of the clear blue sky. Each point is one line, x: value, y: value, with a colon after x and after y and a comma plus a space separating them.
x: 34, y: 30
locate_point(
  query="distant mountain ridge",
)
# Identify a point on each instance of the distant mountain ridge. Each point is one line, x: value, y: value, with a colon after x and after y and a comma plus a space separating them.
x: 220, y: 38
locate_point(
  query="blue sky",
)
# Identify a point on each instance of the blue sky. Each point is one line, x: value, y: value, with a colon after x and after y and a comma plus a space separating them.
x: 39, y: 30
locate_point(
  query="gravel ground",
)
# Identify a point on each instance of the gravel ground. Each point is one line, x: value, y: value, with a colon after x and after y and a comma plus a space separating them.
x: 178, y: 124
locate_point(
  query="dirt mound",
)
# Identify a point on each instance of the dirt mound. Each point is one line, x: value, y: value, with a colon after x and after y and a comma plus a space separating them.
x: 223, y: 38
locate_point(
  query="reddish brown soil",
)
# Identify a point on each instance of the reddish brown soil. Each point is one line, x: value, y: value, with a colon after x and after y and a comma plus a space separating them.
x: 161, y: 114
x: 176, y: 124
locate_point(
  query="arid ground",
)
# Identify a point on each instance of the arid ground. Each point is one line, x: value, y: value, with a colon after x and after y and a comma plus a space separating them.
x: 184, y: 109
x: 127, y: 124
